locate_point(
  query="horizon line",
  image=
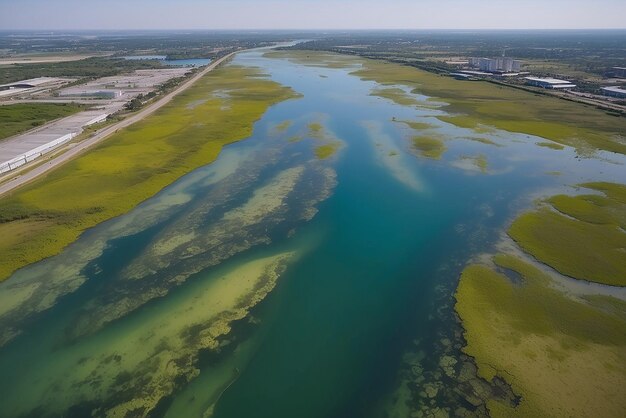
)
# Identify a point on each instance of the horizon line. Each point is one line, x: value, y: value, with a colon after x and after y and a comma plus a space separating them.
x: 307, y: 30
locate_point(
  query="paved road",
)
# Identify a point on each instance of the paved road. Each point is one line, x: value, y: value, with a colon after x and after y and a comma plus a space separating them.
x: 20, y: 180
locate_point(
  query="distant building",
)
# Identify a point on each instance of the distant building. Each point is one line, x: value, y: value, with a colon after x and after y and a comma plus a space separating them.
x: 549, y: 83
x: 496, y: 65
x: 30, y: 83
x: 619, y: 72
x: 614, y: 92
x: 96, y: 94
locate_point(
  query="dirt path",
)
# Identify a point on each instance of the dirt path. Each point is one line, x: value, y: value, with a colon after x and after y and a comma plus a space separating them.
x: 20, y: 180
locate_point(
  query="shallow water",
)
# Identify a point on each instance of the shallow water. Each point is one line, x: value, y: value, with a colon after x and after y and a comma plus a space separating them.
x: 367, y: 246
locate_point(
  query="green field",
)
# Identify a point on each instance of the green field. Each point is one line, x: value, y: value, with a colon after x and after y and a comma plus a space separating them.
x: 21, y: 117
x: 39, y: 220
x: 94, y: 67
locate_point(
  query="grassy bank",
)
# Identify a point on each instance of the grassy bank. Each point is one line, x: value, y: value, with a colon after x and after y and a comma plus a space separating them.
x: 21, y: 117
x: 564, y: 357
x: 42, y: 218
x: 473, y: 104
x: 580, y: 236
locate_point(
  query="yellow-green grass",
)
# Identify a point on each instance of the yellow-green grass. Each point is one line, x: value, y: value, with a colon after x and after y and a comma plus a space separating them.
x: 429, y: 146
x: 40, y: 219
x: 551, y: 145
x: 314, y: 58
x: 21, y: 117
x: 482, y: 140
x: 417, y: 126
x: 480, y: 104
x: 316, y: 130
x: 564, y: 357
x: 327, y: 150
x: 396, y: 95
x: 579, y: 236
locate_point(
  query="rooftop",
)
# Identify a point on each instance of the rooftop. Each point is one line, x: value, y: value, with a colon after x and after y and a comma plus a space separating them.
x: 614, y: 89
x: 32, y: 82
x: 548, y: 80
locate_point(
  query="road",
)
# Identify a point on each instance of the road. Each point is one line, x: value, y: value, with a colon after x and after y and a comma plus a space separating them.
x: 20, y: 180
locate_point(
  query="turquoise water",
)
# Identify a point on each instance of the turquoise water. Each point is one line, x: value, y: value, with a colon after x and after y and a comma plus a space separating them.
x: 373, y: 241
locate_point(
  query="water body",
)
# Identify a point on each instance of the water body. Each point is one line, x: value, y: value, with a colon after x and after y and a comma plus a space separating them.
x: 193, y: 62
x: 271, y: 283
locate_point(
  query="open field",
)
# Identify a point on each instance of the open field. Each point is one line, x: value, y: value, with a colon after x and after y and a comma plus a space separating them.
x: 133, y: 165
x: 21, y: 117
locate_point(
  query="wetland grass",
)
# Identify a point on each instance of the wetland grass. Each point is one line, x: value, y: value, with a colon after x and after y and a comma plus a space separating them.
x: 551, y: 145
x: 579, y: 236
x: 326, y: 151
x: 396, y: 95
x: 417, y: 126
x: 429, y: 146
x: 479, y: 105
x: 563, y: 356
x: 315, y: 58
x: 134, y: 164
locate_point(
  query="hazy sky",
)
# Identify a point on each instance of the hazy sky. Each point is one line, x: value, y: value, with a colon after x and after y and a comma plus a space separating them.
x: 311, y: 14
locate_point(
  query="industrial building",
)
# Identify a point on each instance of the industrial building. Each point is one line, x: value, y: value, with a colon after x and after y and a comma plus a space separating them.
x: 96, y: 94
x: 614, y: 92
x: 619, y: 72
x: 31, y: 85
x: 496, y: 65
x: 549, y: 83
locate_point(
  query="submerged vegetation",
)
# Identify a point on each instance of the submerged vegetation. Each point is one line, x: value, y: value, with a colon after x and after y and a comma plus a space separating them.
x: 133, y: 164
x: 429, y: 146
x: 20, y: 117
x: 325, y: 151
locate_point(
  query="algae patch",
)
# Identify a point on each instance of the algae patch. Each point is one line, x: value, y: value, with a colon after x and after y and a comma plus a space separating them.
x: 326, y: 151
x: 130, y: 370
x: 429, y: 146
